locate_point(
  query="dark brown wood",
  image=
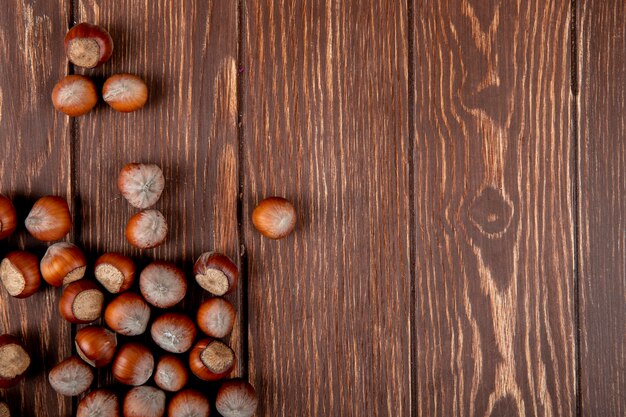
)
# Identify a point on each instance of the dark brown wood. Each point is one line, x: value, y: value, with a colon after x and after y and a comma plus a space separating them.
x: 34, y: 161
x: 493, y: 200
x: 325, y: 96
x: 602, y: 206
x: 186, y: 51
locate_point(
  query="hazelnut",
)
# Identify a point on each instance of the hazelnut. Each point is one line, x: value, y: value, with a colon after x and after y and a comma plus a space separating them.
x: 216, y: 317
x: 125, y: 92
x: 88, y: 45
x: 71, y: 377
x: 274, y: 217
x: 74, y: 95
x: 96, y: 345
x: 115, y: 272
x: 216, y: 273
x: 19, y: 272
x: 133, y: 364
x: 141, y: 184
x: 62, y: 264
x: 188, y: 403
x: 146, y: 229
x: 14, y: 361
x: 144, y: 402
x: 162, y: 284
x: 8, y: 217
x: 170, y: 373
x: 211, y: 360
x: 236, y: 398
x: 128, y: 314
x: 99, y: 403
x: 173, y: 332
x: 49, y: 219
x: 81, y: 302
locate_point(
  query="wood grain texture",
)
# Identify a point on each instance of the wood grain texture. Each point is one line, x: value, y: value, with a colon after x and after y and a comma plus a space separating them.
x: 602, y: 206
x: 326, y: 126
x: 493, y: 205
x: 186, y: 51
x: 34, y: 161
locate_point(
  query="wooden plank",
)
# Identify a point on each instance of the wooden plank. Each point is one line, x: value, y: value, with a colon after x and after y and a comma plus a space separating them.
x: 326, y: 125
x: 494, y: 208
x: 34, y: 161
x: 602, y: 206
x: 186, y: 51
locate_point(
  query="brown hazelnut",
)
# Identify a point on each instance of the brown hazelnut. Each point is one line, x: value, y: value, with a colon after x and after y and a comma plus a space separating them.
x: 146, y: 229
x: 128, y: 314
x: 216, y: 317
x: 49, y: 219
x: 62, y: 264
x: 216, y: 273
x: 74, y: 95
x: 170, y: 373
x: 188, y: 403
x: 19, y: 272
x: 96, y: 345
x: 141, y: 184
x: 8, y: 217
x: 14, y: 361
x: 81, y: 302
x: 211, y: 360
x: 274, y: 217
x: 144, y: 402
x: 125, y: 92
x: 236, y: 398
x: 115, y: 272
x: 71, y: 377
x: 99, y: 403
x: 173, y: 332
x: 133, y: 364
x: 88, y: 45
x: 162, y: 284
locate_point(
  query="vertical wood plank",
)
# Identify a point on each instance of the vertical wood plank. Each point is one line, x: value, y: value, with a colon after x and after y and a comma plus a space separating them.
x: 493, y: 202
x: 602, y: 206
x: 326, y: 126
x: 186, y: 51
x: 34, y: 161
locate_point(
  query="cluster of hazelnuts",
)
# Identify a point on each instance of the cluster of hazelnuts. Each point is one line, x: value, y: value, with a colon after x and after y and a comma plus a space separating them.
x: 88, y: 46
x: 162, y: 285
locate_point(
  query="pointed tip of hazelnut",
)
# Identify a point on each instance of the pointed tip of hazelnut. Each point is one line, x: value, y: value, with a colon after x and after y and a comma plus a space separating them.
x: 146, y: 229
x: 188, y: 403
x: 274, y: 217
x: 75, y: 95
x: 141, y: 184
x: 49, y: 219
x: 236, y: 398
x: 71, y: 377
x: 125, y: 92
x: 144, y: 401
x: 99, y: 403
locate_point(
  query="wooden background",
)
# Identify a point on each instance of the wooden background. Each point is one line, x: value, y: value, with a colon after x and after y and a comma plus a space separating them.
x: 458, y: 168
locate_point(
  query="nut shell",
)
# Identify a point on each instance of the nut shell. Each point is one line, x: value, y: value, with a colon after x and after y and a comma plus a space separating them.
x: 63, y: 263
x: 74, y: 95
x: 146, y: 229
x: 211, y: 360
x: 170, y: 373
x: 216, y: 273
x: 125, y: 92
x: 236, y: 398
x: 99, y: 403
x: 88, y: 45
x: 19, y: 273
x: 144, y: 402
x: 71, y: 377
x: 96, y: 345
x: 141, y: 184
x: 115, y: 272
x: 128, y: 314
x: 162, y: 284
x: 216, y: 317
x: 274, y: 217
x: 173, y: 332
x: 81, y: 302
x: 8, y: 217
x: 49, y: 219
x: 188, y: 403
x: 14, y: 361
x: 133, y: 364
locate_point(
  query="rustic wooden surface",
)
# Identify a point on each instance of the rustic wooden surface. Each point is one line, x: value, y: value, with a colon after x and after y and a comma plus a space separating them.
x: 457, y: 167
x: 602, y: 206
